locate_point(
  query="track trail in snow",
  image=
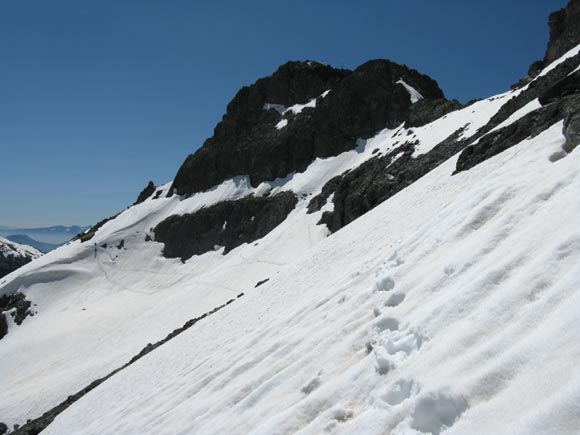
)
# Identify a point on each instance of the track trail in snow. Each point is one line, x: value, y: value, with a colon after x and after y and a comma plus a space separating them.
x: 122, y: 286
x: 392, y: 345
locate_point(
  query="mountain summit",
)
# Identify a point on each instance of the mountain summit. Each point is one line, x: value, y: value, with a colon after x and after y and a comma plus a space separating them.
x: 304, y: 111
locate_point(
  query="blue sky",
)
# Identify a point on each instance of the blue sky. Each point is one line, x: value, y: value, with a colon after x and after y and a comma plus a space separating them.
x: 99, y: 96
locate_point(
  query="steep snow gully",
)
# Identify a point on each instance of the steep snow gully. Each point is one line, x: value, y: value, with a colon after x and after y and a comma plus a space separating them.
x: 442, y: 298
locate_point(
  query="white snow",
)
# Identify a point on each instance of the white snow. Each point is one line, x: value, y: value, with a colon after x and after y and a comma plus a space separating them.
x: 470, y: 119
x: 12, y: 249
x: 297, y: 108
x: 413, y: 93
x: 283, y: 123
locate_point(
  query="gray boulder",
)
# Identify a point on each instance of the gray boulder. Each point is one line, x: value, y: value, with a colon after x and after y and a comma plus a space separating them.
x: 572, y: 131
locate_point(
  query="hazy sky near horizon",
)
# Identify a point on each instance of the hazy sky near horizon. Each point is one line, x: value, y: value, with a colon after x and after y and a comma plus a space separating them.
x: 99, y: 96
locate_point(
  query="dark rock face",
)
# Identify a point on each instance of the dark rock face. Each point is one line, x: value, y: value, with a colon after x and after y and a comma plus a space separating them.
x: 145, y: 193
x: 18, y: 301
x: 529, y: 126
x: 228, y: 224
x: 360, y: 190
x: 572, y: 131
x: 10, y: 263
x: 569, y: 85
x: 9, y: 302
x: 425, y: 111
x: 3, y: 326
x: 247, y: 142
x: 536, y: 68
x: 564, y: 31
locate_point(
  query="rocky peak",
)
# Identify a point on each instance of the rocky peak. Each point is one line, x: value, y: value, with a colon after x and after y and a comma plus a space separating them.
x: 564, y: 35
x: 281, y: 123
x: 564, y: 31
x: 292, y: 83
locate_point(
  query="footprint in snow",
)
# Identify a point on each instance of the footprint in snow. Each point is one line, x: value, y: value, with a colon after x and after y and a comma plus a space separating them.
x: 392, y: 344
x: 338, y: 414
x: 385, y: 284
x: 394, y: 394
x: 436, y: 411
x: 312, y: 385
x: 395, y: 299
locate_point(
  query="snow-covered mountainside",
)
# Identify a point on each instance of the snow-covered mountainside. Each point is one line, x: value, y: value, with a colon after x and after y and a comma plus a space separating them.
x: 13, y: 308
x: 349, y: 253
x: 13, y: 255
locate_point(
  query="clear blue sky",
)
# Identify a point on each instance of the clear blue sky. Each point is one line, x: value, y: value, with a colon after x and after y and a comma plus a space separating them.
x: 99, y: 96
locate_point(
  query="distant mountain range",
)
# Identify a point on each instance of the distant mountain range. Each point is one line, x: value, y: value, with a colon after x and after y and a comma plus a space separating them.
x: 55, y: 235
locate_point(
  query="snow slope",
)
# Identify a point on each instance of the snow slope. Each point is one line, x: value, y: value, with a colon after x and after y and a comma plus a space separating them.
x: 97, y: 310
x: 453, y: 305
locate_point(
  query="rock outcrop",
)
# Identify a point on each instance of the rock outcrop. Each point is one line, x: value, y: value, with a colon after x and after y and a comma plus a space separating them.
x: 15, y: 306
x: 529, y: 126
x: 572, y: 130
x: 565, y: 87
x: 261, y: 138
x: 356, y: 192
x: 226, y: 224
x: 564, y: 31
x: 145, y: 193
